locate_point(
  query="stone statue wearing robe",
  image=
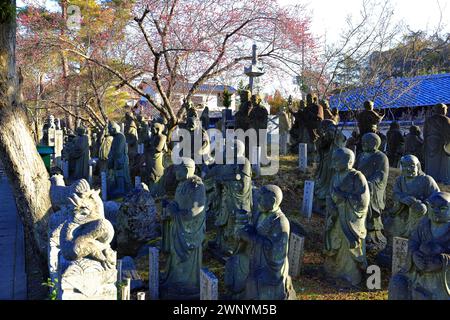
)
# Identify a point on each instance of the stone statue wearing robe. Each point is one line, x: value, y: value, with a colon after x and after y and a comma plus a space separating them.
x: 154, y: 154
x: 80, y: 154
x: 131, y: 135
x: 234, y: 178
x: 266, y: 241
x: 374, y: 164
x: 436, y: 135
x: 186, y: 215
x: 330, y: 139
x: 395, y: 144
x: 414, y: 143
x: 426, y: 274
x: 345, y: 233
x: 411, y: 190
x: 258, y: 118
x: 118, y: 162
x: 103, y: 152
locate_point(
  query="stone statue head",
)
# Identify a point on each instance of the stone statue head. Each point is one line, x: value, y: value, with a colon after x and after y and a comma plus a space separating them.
x: 302, y: 104
x: 81, y: 131
x: 440, y: 207
x: 245, y: 95
x: 185, y: 169
x: 368, y: 105
x: 270, y: 198
x: 256, y: 100
x: 343, y: 159
x: 370, y: 142
x: 113, y: 128
x: 394, y: 126
x: 415, y: 130
x: 440, y: 108
x: 410, y: 166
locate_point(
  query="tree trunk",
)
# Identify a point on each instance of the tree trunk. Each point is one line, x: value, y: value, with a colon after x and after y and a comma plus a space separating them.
x: 23, y: 165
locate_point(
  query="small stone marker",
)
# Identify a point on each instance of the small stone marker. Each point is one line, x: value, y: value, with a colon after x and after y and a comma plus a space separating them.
x: 141, y: 295
x: 303, y: 156
x: 399, y: 252
x: 256, y: 160
x: 104, y: 186
x: 59, y: 142
x: 153, y: 273
x: 209, y: 285
x: 295, y: 254
x: 137, y: 182
x: 119, y: 270
x: 126, y: 290
x: 308, y: 197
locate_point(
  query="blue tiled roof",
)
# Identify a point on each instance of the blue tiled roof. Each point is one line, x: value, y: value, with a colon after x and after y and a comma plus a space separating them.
x: 397, y: 93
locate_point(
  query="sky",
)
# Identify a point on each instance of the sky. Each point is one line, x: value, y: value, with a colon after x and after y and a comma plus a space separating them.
x: 329, y: 15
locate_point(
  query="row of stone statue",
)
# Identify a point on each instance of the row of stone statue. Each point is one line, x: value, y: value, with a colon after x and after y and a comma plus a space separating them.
x: 433, y: 151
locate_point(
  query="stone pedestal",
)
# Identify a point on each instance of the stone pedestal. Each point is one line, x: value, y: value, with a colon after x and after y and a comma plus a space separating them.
x: 86, y: 279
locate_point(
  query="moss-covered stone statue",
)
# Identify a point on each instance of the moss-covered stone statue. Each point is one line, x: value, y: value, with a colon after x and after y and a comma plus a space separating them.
x: 330, y: 139
x: 131, y: 135
x: 266, y: 239
x: 374, y: 164
x: 395, y: 147
x: 426, y: 274
x: 80, y: 154
x: 234, y: 178
x: 181, y: 278
x: 118, y: 163
x: 154, y: 154
x: 411, y: 190
x: 105, y: 147
x: 414, y: 143
x: 436, y: 133
x: 347, y: 206
x: 368, y: 119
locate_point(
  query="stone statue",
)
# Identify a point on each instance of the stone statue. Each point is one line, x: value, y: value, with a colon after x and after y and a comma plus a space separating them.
x: 60, y: 193
x: 368, y: 119
x: 234, y: 178
x: 105, y: 146
x: 314, y: 116
x: 411, y: 190
x: 330, y: 139
x: 395, y: 144
x: 50, y: 124
x: 154, y: 154
x: 266, y: 239
x: 414, y: 143
x: 345, y: 233
x: 299, y: 132
x: 426, y: 275
x: 186, y: 214
x: 258, y: 117
x: 118, y: 162
x: 136, y: 222
x: 242, y: 120
x: 436, y: 135
x: 328, y: 113
x: 87, y: 267
x: 80, y: 154
x: 198, y: 150
x: 205, y: 118
x: 143, y: 130
x: 374, y: 164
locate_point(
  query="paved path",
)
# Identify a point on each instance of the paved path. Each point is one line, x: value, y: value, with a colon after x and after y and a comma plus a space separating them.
x: 12, y: 248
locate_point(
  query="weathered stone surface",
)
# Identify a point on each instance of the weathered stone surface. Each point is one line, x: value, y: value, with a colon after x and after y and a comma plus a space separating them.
x: 136, y: 222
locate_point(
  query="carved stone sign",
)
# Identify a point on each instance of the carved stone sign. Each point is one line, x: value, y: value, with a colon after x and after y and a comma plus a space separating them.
x: 295, y: 254
x: 399, y: 251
